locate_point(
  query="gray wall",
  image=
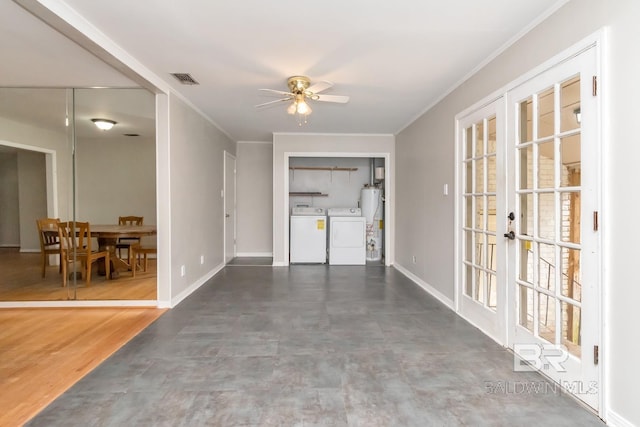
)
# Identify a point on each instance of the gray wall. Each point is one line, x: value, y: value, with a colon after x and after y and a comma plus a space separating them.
x: 32, y: 188
x: 254, y: 196
x: 425, y: 158
x: 196, y: 181
x: 122, y: 182
x: 9, y: 208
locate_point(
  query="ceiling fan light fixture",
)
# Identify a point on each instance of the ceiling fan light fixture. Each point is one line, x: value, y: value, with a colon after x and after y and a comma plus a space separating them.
x: 303, y: 108
x: 104, y: 124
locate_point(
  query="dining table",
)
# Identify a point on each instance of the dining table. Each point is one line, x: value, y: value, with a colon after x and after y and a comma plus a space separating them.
x: 108, y: 235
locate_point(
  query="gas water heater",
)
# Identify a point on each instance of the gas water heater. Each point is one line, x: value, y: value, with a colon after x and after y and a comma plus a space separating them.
x: 372, y: 208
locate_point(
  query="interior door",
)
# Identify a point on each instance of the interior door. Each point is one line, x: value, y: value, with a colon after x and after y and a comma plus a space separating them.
x: 482, y: 292
x: 229, y: 207
x: 554, y: 260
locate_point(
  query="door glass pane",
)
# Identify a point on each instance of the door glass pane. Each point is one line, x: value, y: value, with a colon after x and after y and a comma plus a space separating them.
x: 480, y: 212
x: 546, y: 216
x: 479, y: 172
x: 525, y: 300
x: 479, y: 139
x: 547, y: 317
x: 491, y: 174
x: 491, y: 135
x: 526, y: 125
x: 468, y: 280
x: 526, y: 214
x: 491, y: 213
x: 468, y: 212
x: 468, y: 152
x: 525, y: 178
x: 468, y: 168
x: 526, y: 261
x: 571, y: 328
x: 468, y: 240
x: 571, y: 286
x: 570, y: 204
x: 545, y: 113
x: 480, y: 283
x: 547, y: 266
x: 546, y: 167
x: 570, y: 101
x: 480, y: 248
x: 570, y: 157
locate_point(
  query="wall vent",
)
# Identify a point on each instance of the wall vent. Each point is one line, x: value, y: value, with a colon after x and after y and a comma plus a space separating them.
x: 185, y: 78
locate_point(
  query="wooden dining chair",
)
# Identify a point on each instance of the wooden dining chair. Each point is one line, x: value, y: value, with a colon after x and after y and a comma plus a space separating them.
x: 49, y: 241
x: 126, y: 242
x: 75, y: 243
x: 139, y: 251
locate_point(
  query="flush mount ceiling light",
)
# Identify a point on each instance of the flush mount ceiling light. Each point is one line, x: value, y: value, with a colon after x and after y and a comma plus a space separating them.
x: 104, y: 124
x: 300, y: 91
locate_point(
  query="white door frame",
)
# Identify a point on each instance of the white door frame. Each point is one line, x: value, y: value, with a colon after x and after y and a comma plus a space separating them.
x: 227, y: 157
x: 388, y: 193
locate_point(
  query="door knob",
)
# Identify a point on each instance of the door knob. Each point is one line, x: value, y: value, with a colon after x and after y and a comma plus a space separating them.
x: 227, y: 215
x: 510, y: 235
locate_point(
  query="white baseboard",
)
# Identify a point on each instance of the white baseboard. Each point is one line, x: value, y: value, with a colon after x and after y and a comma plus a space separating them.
x: 427, y: 287
x: 201, y: 281
x: 280, y: 264
x: 617, y: 420
x: 255, y: 254
x: 30, y: 251
x: 9, y: 245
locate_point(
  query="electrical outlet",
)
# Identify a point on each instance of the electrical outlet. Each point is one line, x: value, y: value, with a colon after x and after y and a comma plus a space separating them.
x: 413, y: 259
x: 201, y: 259
x: 183, y: 270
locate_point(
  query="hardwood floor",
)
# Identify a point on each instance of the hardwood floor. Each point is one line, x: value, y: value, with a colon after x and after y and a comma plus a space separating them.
x: 21, y: 280
x: 44, y: 351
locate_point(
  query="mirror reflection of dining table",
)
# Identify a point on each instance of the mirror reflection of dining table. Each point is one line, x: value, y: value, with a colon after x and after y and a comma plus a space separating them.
x: 108, y: 235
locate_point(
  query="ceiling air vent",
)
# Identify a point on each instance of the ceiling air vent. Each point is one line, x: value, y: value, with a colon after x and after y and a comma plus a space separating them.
x: 185, y: 78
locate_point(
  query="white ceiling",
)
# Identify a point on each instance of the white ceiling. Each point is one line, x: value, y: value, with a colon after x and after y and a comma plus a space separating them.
x: 394, y: 59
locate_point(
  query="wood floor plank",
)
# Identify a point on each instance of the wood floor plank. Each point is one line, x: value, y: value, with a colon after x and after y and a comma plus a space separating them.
x: 43, y: 352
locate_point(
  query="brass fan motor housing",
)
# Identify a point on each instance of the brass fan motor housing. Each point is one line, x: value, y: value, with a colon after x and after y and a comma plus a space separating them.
x: 298, y: 84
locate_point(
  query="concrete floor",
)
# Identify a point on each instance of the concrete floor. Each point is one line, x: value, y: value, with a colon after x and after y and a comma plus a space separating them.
x: 308, y: 346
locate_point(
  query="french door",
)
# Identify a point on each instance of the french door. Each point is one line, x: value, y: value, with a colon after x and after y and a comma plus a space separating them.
x: 554, y: 258
x: 482, y: 271
x: 529, y: 244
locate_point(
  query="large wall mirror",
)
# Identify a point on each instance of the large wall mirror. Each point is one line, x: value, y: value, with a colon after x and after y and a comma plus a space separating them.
x: 57, y: 166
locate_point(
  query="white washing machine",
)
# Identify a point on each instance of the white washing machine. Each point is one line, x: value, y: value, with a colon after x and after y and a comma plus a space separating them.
x: 347, y: 236
x: 308, y: 235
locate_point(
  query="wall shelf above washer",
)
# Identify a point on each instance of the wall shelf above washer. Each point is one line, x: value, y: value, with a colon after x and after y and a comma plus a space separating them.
x: 306, y: 194
x: 322, y: 168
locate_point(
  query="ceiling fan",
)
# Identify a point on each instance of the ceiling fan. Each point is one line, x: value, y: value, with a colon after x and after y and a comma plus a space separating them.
x: 300, y: 91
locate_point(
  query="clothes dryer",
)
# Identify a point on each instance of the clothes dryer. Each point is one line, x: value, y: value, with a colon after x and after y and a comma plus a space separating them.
x: 347, y: 236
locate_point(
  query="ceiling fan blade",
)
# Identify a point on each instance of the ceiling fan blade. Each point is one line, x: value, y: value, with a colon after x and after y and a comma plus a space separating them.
x: 272, y: 102
x: 319, y: 87
x: 332, y: 98
x: 279, y: 92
